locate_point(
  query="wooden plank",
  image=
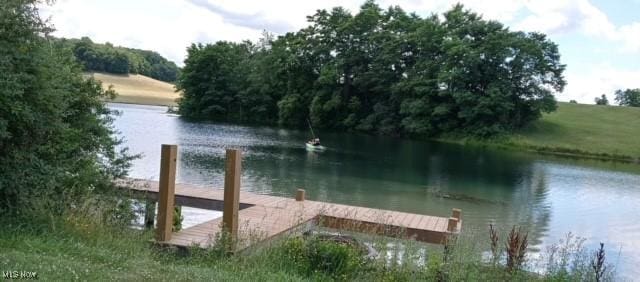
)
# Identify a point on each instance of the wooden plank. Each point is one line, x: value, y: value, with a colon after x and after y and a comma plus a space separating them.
x: 269, y: 216
x: 233, y: 170
x: 414, y: 221
x: 166, y: 187
x: 419, y: 223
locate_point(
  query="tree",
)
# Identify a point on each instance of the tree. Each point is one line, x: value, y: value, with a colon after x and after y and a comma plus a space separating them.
x: 56, y: 139
x: 120, y: 60
x: 629, y: 97
x: 384, y: 72
x: 212, y: 80
x: 573, y: 101
x: 602, y: 100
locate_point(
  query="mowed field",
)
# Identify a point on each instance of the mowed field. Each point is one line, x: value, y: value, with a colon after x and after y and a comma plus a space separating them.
x: 577, y: 129
x: 139, y: 89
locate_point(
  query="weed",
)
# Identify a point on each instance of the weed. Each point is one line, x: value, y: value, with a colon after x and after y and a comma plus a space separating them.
x: 516, y: 248
x: 598, y: 263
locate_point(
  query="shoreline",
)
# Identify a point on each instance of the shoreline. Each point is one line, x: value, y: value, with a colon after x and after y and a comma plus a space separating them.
x: 507, y: 144
x: 549, y: 151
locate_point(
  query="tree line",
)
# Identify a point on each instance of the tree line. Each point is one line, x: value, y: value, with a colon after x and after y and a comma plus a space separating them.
x: 120, y: 60
x: 627, y: 97
x: 382, y: 71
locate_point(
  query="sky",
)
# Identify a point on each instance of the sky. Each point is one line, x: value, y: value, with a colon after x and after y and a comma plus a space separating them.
x: 599, y: 40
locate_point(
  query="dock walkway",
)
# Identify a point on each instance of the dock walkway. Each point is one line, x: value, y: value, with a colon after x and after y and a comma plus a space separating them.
x: 262, y: 217
x: 255, y: 218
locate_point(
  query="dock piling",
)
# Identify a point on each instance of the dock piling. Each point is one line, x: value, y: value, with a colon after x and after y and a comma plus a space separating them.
x: 457, y: 213
x: 231, y: 204
x: 452, y: 225
x: 167, y: 185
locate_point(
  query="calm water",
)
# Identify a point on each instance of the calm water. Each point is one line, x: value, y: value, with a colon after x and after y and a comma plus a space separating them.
x: 599, y: 201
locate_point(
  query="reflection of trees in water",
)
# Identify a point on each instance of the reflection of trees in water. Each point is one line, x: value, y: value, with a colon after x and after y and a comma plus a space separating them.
x: 529, y: 206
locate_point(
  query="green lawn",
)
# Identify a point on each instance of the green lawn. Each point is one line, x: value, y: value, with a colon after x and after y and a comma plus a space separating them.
x: 585, y: 129
x: 60, y: 256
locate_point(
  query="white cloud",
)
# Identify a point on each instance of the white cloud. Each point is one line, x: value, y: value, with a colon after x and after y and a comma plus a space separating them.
x: 630, y: 35
x: 169, y: 29
x: 597, y: 80
x: 566, y: 16
x: 169, y: 26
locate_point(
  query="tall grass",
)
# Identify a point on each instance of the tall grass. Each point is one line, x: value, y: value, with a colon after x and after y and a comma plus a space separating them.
x: 92, y: 243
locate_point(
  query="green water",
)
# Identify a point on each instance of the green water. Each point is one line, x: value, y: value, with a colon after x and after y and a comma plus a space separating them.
x: 599, y: 201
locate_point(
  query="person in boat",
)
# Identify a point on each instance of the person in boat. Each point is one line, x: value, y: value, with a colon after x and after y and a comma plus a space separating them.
x: 315, y: 142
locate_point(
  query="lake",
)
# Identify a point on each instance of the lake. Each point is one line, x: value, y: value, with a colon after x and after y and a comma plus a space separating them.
x: 550, y: 196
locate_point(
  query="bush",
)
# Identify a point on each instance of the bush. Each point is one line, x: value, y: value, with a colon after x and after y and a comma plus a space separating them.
x: 314, y: 255
x: 56, y: 139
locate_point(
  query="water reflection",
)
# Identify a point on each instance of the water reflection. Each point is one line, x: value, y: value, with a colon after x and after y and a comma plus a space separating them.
x: 550, y: 196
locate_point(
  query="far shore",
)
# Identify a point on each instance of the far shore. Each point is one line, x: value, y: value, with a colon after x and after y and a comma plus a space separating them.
x: 574, y: 130
x: 139, y: 89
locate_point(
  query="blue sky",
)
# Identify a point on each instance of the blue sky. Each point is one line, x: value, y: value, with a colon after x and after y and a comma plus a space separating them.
x: 599, y: 40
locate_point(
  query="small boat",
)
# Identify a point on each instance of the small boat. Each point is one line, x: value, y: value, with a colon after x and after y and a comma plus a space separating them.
x: 314, y: 145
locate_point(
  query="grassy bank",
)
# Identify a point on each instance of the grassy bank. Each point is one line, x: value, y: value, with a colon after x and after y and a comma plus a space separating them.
x: 139, y: 89
x: 75, y: 249
x: 600, y: 132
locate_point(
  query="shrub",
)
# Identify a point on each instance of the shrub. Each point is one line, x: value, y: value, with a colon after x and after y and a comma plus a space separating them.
x: 56, y: 139
x: 314, y: 255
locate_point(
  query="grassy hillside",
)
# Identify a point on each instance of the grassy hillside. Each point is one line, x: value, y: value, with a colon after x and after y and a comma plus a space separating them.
x: 139, y: 89
x: 605, y: 131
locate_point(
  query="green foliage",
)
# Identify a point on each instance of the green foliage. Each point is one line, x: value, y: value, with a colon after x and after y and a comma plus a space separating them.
x: 212, y: 82
x: 629, y: 97
x: 379, y: 71
x: 120, y: 60
x: 56, y: 138
x: 602, y: 100
x: 81, y: 249
x: 313, y: 255
x: 177, y: 219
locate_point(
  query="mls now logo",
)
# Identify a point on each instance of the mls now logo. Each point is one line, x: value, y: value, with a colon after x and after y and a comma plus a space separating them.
x: 19, y: 275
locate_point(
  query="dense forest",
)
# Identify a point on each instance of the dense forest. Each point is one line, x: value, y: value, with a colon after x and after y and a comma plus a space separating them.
x: 120, y: 60
x: 379, y: 71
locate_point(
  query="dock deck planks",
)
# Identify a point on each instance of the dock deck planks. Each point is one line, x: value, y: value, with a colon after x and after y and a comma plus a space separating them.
x: 262, y: 217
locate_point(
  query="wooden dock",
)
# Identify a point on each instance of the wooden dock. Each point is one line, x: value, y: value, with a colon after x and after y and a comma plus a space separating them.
x: 251, y: 218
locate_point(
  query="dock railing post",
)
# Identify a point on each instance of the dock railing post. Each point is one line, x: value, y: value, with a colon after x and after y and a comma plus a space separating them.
x: 457, y: 213
x: 300, y: 195
x: 231, y: 203
x: 452, y: 225
x: 167, y: 185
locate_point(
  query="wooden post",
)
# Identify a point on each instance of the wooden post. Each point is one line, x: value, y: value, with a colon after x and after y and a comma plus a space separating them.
x: 453, y: 224
x: 231, y: 204
x: 457, y: 213
x: 300, y: 195
x: 149, y: 214
x: 167, y: 188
